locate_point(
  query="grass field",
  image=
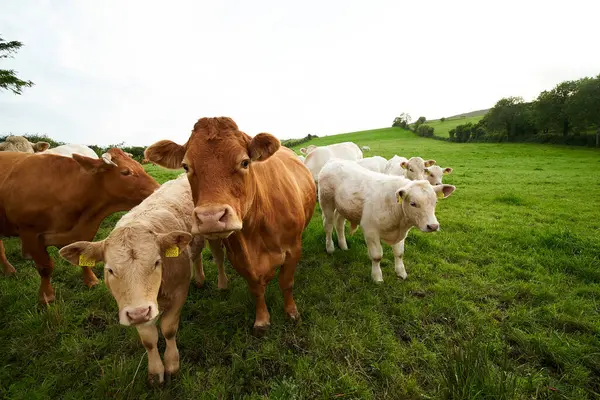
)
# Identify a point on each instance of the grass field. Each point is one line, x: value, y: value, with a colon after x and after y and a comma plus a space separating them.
x: 502, y: 303
x: 442, y: 128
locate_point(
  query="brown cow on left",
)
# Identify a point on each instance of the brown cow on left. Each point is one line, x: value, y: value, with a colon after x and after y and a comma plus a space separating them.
x: 51, y: 200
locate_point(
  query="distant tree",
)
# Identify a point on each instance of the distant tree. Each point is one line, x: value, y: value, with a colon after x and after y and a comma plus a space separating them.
x: 402, y: 121
x: 584, y: 106
x: 550, y: 107
x: 421, y: 120
x: 8, y: 77
x: 443, y: 119
x: 512, y: 116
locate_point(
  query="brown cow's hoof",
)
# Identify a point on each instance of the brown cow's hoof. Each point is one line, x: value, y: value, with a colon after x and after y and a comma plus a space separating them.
x: 9, y: 271
x: 154, y: 381
x: 261, y: 330
x: 91, y: 282
x: 293, y: 316
x: 46, y: 298
x: 199, y: 285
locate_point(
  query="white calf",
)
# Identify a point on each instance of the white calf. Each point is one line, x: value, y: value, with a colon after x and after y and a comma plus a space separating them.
x: 435, y: 174
x: 68, y: 150
x: 365, y: 148
x: 317, y: 158
x: 413, y: 168
x: 375, y: 163
x: 386, y: 208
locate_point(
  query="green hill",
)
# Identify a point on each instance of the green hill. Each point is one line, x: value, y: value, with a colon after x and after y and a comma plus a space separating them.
x: 502, y: 303
x: 477, y: 113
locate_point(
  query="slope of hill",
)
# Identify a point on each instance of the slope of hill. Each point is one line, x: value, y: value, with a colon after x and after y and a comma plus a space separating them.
x: 477, y: 113
x: 442, y: 128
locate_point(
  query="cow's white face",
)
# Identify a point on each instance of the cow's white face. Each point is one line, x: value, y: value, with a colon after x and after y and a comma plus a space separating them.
x: 418, y: 200
x: 436, y: 173
x: 415, y: 168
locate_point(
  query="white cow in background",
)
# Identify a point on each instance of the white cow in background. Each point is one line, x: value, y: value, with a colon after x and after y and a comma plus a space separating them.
x: 68, y: 150
x: 435, y: 173
x: 365, y: 148
x: 386, y: 207
x: 375, y: 163
x: 308, y: 149
x: 316, y: 159
x: 413, y: 168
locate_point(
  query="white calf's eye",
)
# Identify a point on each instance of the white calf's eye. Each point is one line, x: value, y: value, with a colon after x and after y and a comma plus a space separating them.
x: 413, y: 204
x: 110, y: 271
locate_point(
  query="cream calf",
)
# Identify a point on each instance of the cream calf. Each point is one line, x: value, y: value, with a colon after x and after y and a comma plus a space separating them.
x: 435, y: 174
x: 386, y: 208
x: 413, y: 168
x: 375, y: 163
x: 317, y: 158
x: 148, y: 266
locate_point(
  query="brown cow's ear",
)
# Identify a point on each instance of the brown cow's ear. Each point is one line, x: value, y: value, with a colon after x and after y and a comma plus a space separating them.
x: 173, y: 243
x: 263, y: 146
x: 40, y: 146
x: 91, y: 165
x: 166, y: 153
x: 85, y: 254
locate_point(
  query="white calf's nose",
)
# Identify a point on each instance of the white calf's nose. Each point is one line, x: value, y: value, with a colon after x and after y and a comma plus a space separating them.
x: 433, y: 227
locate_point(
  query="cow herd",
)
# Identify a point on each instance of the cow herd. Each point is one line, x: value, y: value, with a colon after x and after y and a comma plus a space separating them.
x: 248, y: 197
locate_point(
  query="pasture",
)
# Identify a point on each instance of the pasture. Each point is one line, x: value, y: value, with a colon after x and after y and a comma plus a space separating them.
x: 502, y: 303
x: 442, y: 128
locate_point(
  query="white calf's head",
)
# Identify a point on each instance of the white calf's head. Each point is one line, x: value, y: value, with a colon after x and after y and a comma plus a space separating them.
x: 415, y: 168
x: 133, y: 260
x: 435, y: 174
x: 418, y: 200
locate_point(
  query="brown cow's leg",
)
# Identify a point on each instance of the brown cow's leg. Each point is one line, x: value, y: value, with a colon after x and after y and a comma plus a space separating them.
x: 24, y: 254
x: 286, y: 284
x: 7, y: 268
x: 156, y: 370
x: 89, y: 278
x: 216, y: 248
x: 263, y: 319
x: 43, y: 262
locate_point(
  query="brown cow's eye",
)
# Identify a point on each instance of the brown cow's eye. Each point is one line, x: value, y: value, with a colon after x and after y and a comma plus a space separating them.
x: 126, y: 172
x: 185, y: 167
x: 245, y: 164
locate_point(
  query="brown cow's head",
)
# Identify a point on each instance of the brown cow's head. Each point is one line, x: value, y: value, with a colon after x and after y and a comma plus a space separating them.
x: 133, y: 258
x: 121, y: 177
x: 219, y: 160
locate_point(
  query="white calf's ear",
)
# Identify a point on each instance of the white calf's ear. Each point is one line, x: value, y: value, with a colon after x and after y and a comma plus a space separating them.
x: 83, y: 254
x: 401, y: 194
x: 173, y: 243
x: 404, y: 165
x: 448, y: 171
x: 443, y: 191
x: 303, y: 150
x: 426, y: 171
x: 429, y: 163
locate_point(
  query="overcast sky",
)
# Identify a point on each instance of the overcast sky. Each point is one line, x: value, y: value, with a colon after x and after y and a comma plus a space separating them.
x: 140, y: 71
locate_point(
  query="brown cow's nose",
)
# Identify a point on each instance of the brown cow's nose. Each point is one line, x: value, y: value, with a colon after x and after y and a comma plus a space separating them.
x: 433, y: 227
x: 139, y: 315
x: 215, y: 219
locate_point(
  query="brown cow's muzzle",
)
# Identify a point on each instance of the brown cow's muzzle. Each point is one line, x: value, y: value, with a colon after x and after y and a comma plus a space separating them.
x: 215, y: 221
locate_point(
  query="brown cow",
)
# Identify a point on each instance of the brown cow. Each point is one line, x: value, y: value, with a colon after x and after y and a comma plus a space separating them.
x: 252, y: 193
x: 51, y: 200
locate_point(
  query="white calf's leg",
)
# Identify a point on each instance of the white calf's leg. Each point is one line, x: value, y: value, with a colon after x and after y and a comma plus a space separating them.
x: 328, y: 216
x: 156, y: 370
x: 375, y: 253
x: 340, y: 230
x: 398, y: 249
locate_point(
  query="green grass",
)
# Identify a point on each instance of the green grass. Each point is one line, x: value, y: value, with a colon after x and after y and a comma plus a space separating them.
x: 441, y: 128
x: 502, y: 303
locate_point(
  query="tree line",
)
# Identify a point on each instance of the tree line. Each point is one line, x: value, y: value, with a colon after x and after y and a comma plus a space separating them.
x: 569, y: 113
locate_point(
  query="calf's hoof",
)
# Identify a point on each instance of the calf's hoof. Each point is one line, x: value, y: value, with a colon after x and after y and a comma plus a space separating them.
x: 261, y: 330
x: 401, y: 275
x: 170, y: 376
x: 155, y: 380
x: 293, y: 316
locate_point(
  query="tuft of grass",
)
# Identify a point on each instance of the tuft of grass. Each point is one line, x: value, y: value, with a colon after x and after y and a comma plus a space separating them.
x: 501, y: 303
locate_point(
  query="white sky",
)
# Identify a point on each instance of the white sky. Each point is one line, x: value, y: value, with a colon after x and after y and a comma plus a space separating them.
x: 140, y: 71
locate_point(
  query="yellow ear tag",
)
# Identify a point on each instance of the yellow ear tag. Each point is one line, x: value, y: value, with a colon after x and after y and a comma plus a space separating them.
x: 86, y: 262
x: 440, y: 195
x: 172, y: 251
